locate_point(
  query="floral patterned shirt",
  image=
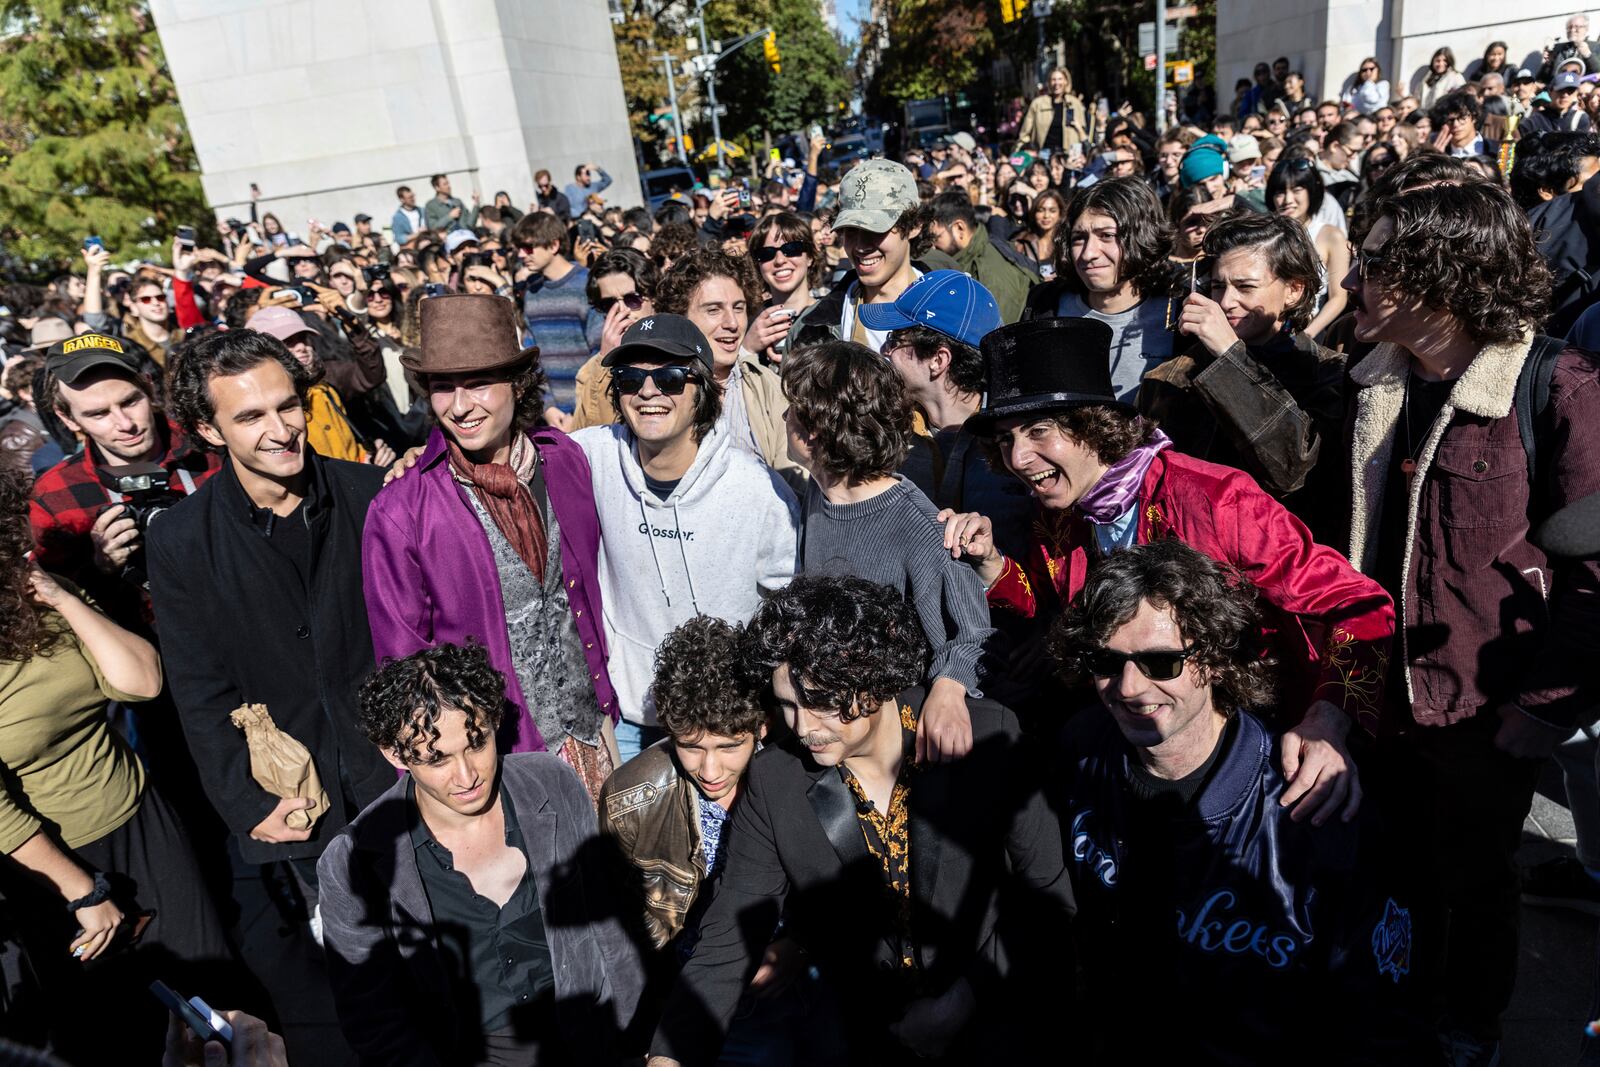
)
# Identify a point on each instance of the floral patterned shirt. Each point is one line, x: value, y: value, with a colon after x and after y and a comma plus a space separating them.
x: 888, y: 838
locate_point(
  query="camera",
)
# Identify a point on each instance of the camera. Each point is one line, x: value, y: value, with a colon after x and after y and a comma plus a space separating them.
x: 146, y: 488
x: 186, y: 236
x: 303, y: 293
x: 236, y: 227
x: 378, y: 272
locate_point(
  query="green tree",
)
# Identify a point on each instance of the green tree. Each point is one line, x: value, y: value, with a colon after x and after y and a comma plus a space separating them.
x: 934, y: 49
x: 103, y: 146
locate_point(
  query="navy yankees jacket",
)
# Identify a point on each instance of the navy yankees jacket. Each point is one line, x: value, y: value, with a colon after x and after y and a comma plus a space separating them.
x: 1219, y: 931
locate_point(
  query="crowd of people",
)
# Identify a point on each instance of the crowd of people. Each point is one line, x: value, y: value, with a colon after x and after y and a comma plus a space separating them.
x: 868, y: 617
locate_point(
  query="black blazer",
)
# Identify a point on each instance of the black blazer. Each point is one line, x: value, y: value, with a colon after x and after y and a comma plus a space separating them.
x: 239, y: 625
x: 979, y: 827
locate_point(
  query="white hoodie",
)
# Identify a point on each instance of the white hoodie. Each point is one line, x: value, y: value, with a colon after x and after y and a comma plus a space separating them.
x: 728, y: 531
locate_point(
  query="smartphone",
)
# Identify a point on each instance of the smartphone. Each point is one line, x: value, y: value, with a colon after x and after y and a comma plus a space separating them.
x: 744, y: 197
x: 785, y: 313
x: 304, y: 294
x: 1258, y: 172
x: 587, y: 230
x: 434, y: 289
x: 188, y: 1014
x: 815, y: 131
x: 186, y: 236
x: 93, y: 242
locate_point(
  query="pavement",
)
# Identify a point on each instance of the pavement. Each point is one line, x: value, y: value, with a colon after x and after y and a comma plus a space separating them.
x: 1556, y: 975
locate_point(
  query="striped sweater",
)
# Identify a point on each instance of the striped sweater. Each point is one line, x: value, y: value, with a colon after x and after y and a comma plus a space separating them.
x: 564, y: 327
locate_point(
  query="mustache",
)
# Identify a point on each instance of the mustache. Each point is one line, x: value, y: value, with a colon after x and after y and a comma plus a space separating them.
x: 819, y: 740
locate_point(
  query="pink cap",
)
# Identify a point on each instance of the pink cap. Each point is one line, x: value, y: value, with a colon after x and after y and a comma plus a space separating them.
x: 280, y: 322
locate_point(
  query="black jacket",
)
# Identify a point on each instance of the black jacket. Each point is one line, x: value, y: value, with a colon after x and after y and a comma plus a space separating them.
x: 1275, y: 411
x: 238, y: 625
x: 1272, y: 940
x: 1567, y: 231
x: 979, y: 827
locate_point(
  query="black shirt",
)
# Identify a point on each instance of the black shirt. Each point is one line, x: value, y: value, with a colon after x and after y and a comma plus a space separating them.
x: 497, y: 959
x: 1055, y: 136
x: 1146, y: 786
x: 1424, y: 400
x: 287, y: 534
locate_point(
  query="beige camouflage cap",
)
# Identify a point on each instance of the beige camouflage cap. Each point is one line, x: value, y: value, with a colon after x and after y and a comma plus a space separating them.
x: 874, y: 195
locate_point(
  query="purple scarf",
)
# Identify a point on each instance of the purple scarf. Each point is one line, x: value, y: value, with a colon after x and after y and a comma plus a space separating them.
x: 1118, y: 488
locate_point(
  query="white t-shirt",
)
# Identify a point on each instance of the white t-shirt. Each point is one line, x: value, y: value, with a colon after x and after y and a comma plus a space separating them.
x: 874, y: 339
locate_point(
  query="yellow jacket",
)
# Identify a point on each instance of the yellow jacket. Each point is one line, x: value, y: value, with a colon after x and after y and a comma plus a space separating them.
x: 328, y: 428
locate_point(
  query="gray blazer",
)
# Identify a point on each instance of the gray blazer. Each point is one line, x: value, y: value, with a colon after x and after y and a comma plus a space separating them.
x: 388, y: 974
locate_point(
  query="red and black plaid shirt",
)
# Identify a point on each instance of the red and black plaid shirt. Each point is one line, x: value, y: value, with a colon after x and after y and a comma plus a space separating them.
x: 68, y: 498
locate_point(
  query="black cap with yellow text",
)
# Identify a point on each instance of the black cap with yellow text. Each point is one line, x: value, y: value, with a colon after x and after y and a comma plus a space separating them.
x: 70, y: 359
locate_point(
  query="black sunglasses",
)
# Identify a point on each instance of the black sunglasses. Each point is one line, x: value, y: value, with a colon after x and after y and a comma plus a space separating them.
x: 770, y: 252
x: 631, y: 301
x: 1156, y: 666
x: 670, y: 380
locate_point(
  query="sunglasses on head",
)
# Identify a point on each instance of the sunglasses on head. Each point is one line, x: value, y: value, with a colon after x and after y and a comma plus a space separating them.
x: 1156, y: 666
x: 788, y: 248
x: 669, y: 380
x: 631, y: 301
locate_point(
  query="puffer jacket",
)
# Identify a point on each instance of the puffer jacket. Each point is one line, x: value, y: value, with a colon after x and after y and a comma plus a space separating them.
x: 652, y: 812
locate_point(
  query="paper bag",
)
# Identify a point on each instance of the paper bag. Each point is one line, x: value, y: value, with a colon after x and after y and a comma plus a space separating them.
x: 280, y: 764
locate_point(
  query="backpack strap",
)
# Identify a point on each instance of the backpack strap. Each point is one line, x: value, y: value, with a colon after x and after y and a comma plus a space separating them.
x: 1533, y: 396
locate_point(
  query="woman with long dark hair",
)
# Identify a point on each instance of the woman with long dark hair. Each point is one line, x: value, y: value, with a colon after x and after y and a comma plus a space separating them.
x: 1040, y: 238
x: 1295, y: 190
x: 100, y: 866
x: 1494, y: 62
x: 1441, y: 80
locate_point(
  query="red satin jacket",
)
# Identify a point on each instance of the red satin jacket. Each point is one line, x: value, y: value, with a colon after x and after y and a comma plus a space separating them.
x: 1330, y: 625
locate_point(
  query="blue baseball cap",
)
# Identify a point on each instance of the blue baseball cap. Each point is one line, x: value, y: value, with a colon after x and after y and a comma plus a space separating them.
x: 943, y: 300
x: 1565, y: 80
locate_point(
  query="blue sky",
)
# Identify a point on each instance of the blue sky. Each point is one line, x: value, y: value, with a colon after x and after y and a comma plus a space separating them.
x: 851, y: 12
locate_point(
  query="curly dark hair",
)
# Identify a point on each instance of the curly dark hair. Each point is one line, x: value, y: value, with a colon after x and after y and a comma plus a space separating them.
x: 1288, y: 250
x: 23, y: 633
x: 850, y: 644
x: 221, y: 354
x: 1468, y: 250
x: 1108, y: 430
x: 1213, y: 605
x: 646, y: 276
x: 699, y: 688
x: 854, y: 404
x: 402, y: 702
x: 1143, y: 233
x: 672, y: 241
x: 967, y: 370
x: 1550, y: 162
x: 1417, y: 171
x: 698, y: 266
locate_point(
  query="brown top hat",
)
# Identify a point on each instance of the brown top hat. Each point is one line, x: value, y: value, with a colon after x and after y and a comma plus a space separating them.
x: 465, y: 332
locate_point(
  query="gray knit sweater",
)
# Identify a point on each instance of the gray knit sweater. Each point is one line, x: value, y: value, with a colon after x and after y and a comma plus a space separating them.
x: 896, y: 539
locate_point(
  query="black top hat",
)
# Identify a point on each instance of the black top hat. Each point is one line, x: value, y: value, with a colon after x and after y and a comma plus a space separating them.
x: 1045, y: 365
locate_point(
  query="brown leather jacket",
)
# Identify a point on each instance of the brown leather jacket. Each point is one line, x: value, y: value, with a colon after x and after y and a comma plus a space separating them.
x: 651, y: 810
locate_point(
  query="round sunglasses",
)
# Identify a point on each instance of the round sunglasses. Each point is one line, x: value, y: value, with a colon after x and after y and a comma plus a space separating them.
x: 669, y: 380
x: 631, y: 301
x: 791, y: 249
x: 1160, y: 666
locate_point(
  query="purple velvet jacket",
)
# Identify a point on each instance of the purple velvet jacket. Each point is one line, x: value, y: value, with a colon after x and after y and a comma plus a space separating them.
x: 430, y: 577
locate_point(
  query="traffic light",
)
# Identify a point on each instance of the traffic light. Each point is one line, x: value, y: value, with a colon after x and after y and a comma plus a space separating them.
x: 769, y: 44
x: 1012, y: 10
